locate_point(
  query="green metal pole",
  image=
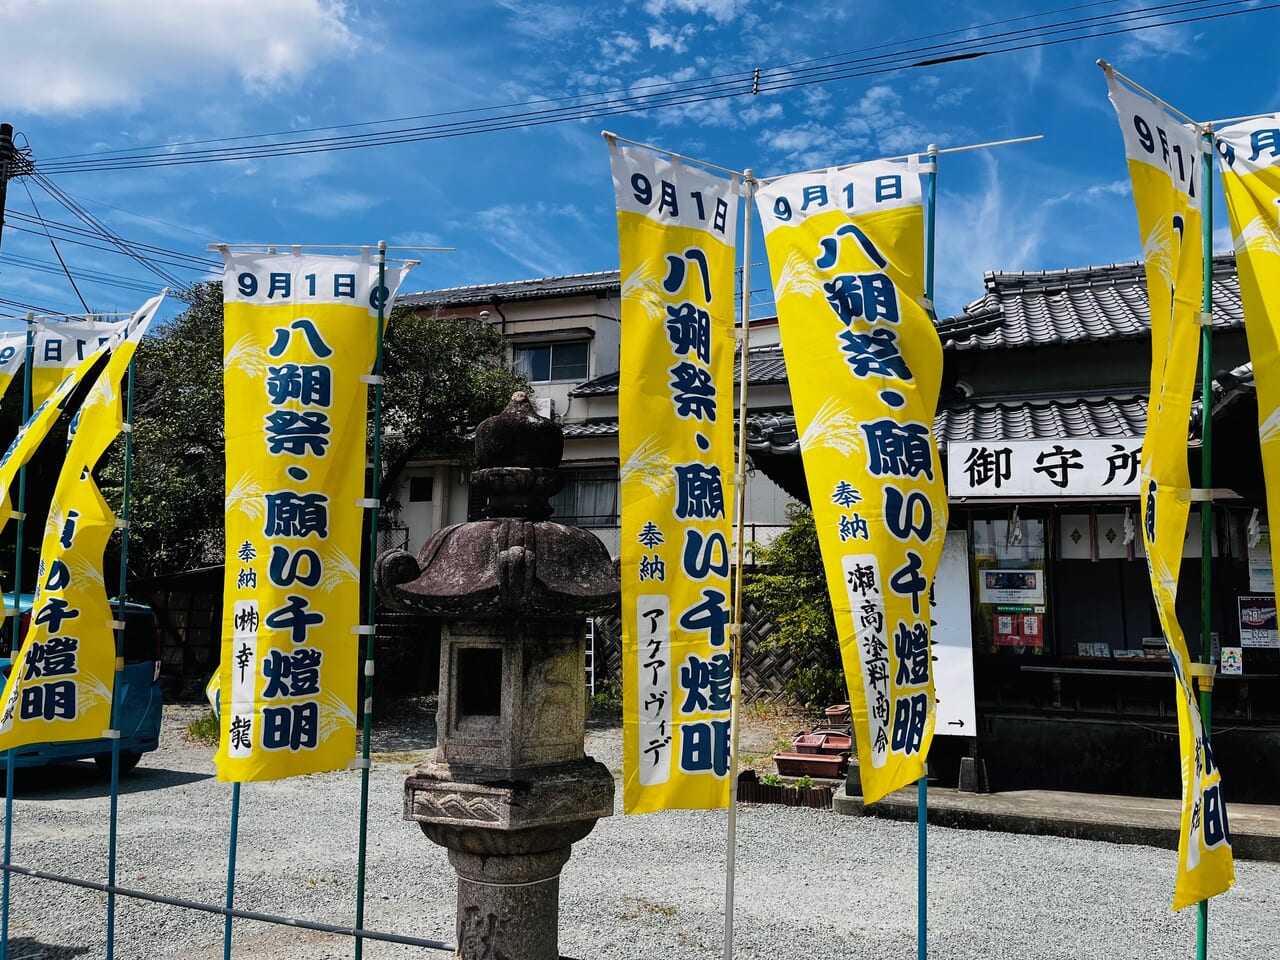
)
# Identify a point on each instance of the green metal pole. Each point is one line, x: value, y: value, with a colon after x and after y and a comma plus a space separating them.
x: 922, y: 785
x: 371, y: 613
x: 1206, y: 480
x: 13, y: 637
x: 125, y: 513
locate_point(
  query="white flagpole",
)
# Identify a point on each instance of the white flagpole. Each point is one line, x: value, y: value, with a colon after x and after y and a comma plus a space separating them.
x: 740, y: 490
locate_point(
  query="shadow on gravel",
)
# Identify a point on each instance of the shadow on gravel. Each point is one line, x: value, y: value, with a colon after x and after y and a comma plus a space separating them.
x: 25, y: 948
x: 82, y: 779
x: 404, y: 724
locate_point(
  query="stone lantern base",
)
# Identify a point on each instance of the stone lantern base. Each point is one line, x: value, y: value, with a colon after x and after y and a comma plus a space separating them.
x: 508, y: 840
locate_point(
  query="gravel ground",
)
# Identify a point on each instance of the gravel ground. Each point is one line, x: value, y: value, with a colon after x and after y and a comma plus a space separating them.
x: 809, y: 883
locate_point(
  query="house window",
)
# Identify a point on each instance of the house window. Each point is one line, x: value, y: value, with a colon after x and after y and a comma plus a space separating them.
x: 589, y: 498
x: 553, y: 361
x: 420, y: 489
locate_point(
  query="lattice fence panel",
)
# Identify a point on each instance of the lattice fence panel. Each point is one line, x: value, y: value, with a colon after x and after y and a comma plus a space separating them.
x: 765, y: 669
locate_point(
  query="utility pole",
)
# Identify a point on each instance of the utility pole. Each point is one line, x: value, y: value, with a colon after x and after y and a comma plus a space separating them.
x: 13, y: 163
x: 6, y: 167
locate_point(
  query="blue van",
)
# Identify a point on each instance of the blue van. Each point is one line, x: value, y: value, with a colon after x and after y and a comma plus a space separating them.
x: 141, y: 703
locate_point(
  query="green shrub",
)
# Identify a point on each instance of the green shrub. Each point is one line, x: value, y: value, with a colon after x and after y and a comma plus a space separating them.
x: 789, y: 586
x: 204, y: 729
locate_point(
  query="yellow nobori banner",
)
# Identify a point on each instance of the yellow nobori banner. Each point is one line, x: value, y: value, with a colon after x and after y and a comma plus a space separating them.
x: 1165, y: 160
x: 676, y: 230
x: 846, y: 250
x: 13, y: 353
x: 60, y: 687
x: 1249, y: 157
x: 60, y: 347
x: 300, y: 332
x: 33, y: 432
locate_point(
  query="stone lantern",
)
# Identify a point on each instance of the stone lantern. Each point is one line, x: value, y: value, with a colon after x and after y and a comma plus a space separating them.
x: 509, y: 789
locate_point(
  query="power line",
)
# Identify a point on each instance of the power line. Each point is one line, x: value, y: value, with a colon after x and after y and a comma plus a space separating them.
x: 129, y: 151
x: 176, y: 258
x: 56, y: 252
x: 90, y: 276
x: 102, y: 230
x: 701, y: 91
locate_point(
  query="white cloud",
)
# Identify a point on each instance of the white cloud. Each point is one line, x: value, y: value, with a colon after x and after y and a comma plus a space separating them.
x: 880, y: 112
x: 619, y: 47
x: 119, y: 52
x: 1094, y: 193
x: 722, y: 11
x: 543, y: 21
x: 418, y: 238
x: 1159, y: 42
x: 759, y: 112
x: 676, y: 42
x: 806, y: 145
x: 988, y: 229
x: 524, y: 233
x: 816, y: 101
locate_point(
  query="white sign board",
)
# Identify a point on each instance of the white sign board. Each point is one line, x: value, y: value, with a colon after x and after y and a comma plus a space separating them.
x: 1261, y: 577
x: 1073, y: 467
x: 953, y: 640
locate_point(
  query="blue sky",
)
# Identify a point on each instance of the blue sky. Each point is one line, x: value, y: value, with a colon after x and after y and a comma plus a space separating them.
x: 100, y: 75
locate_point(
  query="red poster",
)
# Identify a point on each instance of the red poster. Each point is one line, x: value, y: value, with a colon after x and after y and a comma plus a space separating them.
x: 1019, y: 629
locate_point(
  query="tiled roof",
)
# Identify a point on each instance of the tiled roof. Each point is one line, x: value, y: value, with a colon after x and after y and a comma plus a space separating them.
x: 574, y: 285
x: 590, y: 428
x: 764, y: 365
x: 608, y: 427
x: 1074, y: 306
x: 1109, y: 416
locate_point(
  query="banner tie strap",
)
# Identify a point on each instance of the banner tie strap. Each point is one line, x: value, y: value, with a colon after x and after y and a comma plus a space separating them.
x: 359, y: 763
x: 364, y: 629
x: 368, y: 503
x: 373, y: 379
x: 110, y: 734
x: 368, y: 705
x: 117, y: 624
x: 17, y: 515
x: 126, y: 428
x: 1203, y: 673
x: 1204, y: 319
x: 368, y: 668
x: 1200, y: 495
x: 121, y: 523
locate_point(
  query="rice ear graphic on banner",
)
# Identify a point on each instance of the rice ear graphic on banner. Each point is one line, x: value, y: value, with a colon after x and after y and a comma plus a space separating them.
x: 798, y: 277
x: 1256, y: 237
x: 1156, y: 249
x: 245, y: 495
x: 833, y: 426
x: 650, y: 465
x: 1164, y: 158
x: 846, y: 248
x: 339, y: 569
x: 299, y: 336
x: 248, y: 357
x: 675, y: 450
x: 643, y: 287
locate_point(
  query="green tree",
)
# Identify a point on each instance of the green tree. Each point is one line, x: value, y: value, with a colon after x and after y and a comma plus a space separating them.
x: 789, y: 587
x: 441, y: 378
